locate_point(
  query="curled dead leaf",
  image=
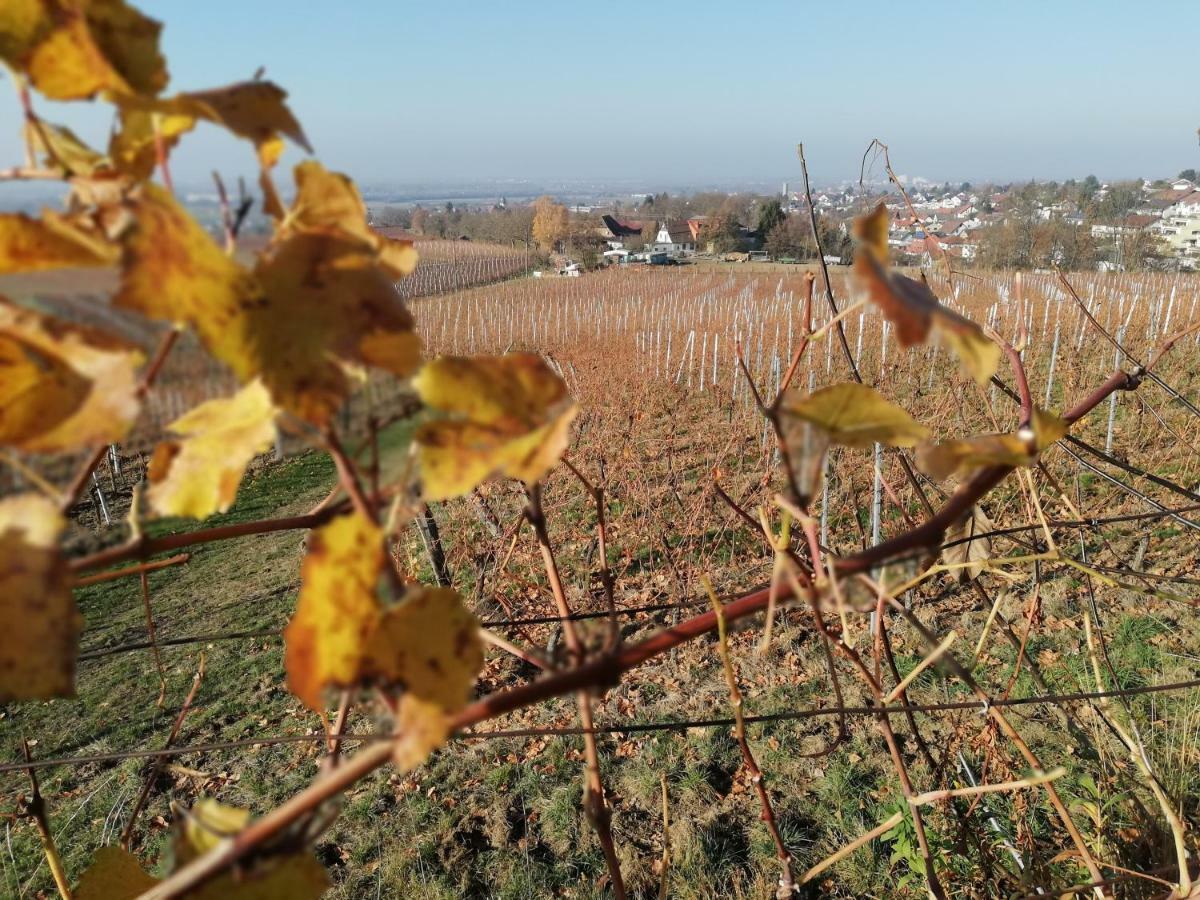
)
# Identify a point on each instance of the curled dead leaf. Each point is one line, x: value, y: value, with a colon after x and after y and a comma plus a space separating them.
x: 911, y: 306
x: 965, y: 548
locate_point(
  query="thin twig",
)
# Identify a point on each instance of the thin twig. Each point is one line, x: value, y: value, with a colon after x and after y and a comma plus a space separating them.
x: 159, y: 761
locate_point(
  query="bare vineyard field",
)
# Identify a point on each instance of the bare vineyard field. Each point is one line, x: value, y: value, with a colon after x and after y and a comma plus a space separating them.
x: 666, y: 418
x: 447, y: 266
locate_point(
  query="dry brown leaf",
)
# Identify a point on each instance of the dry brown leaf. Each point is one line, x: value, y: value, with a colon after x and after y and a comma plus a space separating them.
x: 974, y: 552
x: 914, y: 311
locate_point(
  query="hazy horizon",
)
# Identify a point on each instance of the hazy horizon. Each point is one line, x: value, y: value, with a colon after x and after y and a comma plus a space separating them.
x: 708, y: 96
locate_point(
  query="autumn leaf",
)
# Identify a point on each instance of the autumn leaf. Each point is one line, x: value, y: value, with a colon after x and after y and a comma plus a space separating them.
x: 39, y: 624
x: 314, y: 304
x: 973, y: 552
x: 326, y: 640
x: 914, y: 311
x: 205, y: 826
x: 855, y: 415
x: 428, y: 644
x: 324, y: 303
x: 329, y: 201
x: 422, y: 726
x: 507, y: 415
x: 75, y: 50
x: 133, y: 147
x: 290, y: 876
x: 174, y: 271
x: 947, y: 458
x: 61, y: 149
x: 850, y: 415
x: 65, y: 386
x: 871, y: 231
x: 51, y: 242
x: 115, y: 874
x: 199, y: 475
x: 254, y: 110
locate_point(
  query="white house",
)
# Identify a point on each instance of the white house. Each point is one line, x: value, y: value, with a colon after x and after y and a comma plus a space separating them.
x: 674, y: 238
x: 1186, y: 206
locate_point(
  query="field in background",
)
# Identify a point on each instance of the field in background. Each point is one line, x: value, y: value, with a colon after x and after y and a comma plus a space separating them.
x: 650, y: 356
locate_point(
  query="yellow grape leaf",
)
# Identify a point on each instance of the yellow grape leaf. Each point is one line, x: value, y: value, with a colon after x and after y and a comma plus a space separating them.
x: 973, y: 553
x: 39, y: 624
x: 52, y: 242
x: 944, y: 459
x: 205, y: 826
x: 871, y: 231
x: 429, y: 644
x: 422, y: 727
x: 199, y: 475
x: 173, y: 270
x: 325, y: 303
x: 496, y: 415
x: 852, y: 415
x: 296, y: 876
x: 329, y: 200
x: 268, y: 155
x: 326, y: 640
x: 132, y: 148
x: 114, y: 874
x: 314, y: 303
x: 22, y: 23
x: 914, y: 311
x: 65, y: 386
x: 855, y: 415
x: 62, y: 149
x: 254, y: 110
x: 293, y: 876
x: 75, y: 49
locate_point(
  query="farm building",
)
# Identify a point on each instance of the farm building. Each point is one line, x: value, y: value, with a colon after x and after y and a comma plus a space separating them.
x: 674, y: 238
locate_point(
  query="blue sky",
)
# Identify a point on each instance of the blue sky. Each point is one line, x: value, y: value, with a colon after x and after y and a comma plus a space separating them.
x: 672, y: 93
